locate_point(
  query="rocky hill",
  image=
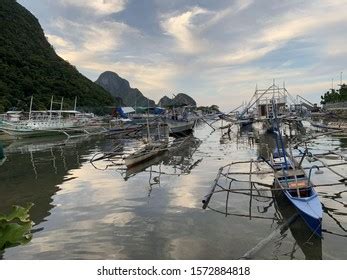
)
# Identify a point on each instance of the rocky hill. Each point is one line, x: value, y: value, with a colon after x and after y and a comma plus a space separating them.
x: 119, y: 87
x: 180, y: 99
x: 30, y: 66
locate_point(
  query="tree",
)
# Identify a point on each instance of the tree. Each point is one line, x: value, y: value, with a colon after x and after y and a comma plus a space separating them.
x: 334, y: 96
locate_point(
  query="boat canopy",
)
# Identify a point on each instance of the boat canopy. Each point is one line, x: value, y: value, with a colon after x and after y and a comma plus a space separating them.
x: 13, y: 112
x: 124, y: 111
x: 150, y: 110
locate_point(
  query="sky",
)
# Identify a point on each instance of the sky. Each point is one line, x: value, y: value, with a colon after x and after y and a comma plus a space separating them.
x: 215, y: 51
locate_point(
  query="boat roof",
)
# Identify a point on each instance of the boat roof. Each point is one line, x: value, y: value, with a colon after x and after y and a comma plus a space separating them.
x: 14, y: 112
x: 127, y: 110
x: 58, y: 111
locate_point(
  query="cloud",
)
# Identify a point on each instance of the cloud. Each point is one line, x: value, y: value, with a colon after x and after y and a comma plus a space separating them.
x: 181, y: 27
x: 153, y: 79
x: 279, y: 31
x: 104, y: 36
x: 234, y: 9
x: 215, y: 51
x: 188, y: 28
x: 58, y: 41
x: 102, y: 7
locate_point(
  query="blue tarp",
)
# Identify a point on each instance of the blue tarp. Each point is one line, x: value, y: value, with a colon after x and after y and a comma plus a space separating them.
x: 159, y: 111
x: 124, y: 111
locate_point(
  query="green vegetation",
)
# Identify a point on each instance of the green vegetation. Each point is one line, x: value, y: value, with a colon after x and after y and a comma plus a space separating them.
x: 30, y: 66
x: 334, y: 96
x: 209, y: 109
x: 15, y: 227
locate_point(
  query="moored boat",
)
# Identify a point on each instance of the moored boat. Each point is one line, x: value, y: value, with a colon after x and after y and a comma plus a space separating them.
x: 147, y: 152
x: 43, y: 123
x: 291, y: 178
x: 301, y: 193
x: 180, y: 127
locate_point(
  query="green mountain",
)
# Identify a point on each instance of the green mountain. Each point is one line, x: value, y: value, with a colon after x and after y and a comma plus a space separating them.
x: 29, y: 66
x: 181, y: 99
x: 120, y: 88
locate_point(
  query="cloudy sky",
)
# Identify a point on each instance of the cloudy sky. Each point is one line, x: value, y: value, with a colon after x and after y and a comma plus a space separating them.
x: 214, y: 50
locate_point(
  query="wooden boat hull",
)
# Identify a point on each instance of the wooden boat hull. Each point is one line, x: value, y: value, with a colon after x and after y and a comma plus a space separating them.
x: 310, y: 209
x: 134, y: 160
x: 299, y: 229
x: 35, y: 129
x: 22, y: 133
x: 299, y: 191
x: 144, y: 155
x: 180, y: 127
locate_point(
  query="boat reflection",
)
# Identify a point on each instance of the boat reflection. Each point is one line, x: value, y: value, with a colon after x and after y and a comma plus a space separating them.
x: 175, y: 162
x: 34, y: 170
x: 268, y: 204
x: 133, y: 170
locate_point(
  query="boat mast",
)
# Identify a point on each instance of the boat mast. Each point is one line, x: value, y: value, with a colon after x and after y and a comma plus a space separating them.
x: 31, y: 105
x: 340, y: 79
x: 50, y: 110
x: 61, y: 108
x: 279, y: 135
x: 148, y: 132
x: 75, y: 104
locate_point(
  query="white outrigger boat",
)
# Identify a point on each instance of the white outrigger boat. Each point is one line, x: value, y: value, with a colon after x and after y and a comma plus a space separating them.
x: 42, y: 123
x: 147, y: 152
x: 178, y: 127
x: 181, y: 122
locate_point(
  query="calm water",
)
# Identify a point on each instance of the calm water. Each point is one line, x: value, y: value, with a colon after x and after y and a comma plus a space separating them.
x: 105, y: 212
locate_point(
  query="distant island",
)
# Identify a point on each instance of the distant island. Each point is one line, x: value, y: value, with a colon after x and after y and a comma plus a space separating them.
x: 119, y: 87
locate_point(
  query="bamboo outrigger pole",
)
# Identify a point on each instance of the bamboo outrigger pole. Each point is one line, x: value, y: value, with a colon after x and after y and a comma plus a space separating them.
x: 207, y: 197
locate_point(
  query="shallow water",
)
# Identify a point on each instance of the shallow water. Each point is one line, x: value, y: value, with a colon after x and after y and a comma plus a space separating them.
x: 105, y: 212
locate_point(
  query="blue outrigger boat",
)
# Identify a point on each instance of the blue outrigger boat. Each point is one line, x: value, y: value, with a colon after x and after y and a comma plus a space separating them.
x: 291, y: 178
x: 300, y: 191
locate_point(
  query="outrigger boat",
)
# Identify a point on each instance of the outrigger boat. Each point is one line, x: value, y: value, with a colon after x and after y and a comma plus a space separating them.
x: 44, y: 123
x: 299, y: 190
x: 296, y: 186
x: 149, y: 151
x: 180, y: 127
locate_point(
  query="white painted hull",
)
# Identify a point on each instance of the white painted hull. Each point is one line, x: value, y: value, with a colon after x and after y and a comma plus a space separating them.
x: 144, y: 154
x: 176, y: 127
x: 33, y: 129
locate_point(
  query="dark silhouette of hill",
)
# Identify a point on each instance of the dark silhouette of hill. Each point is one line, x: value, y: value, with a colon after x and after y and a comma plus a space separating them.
x: 29, y: 66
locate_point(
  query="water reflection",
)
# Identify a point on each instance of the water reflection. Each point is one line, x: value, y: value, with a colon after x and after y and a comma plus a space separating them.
x: 153, y: 211
x: 176, y: 161
x: 34, y: 170
x: 261, y: 204
x: 272, y: 206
